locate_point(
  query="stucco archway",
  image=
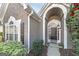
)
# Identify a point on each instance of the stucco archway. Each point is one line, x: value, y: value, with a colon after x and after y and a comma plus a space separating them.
x: 64, y: 10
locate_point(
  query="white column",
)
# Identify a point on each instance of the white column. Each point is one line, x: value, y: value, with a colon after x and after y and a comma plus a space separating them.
x: 65, y: 35
x: 59, y: 35
x: 28, y: 34
x: 18, y: 32
x: 44, y: 32
x: 29, y: 31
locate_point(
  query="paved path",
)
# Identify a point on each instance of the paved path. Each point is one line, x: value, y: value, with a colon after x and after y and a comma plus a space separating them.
x: 53, y: 50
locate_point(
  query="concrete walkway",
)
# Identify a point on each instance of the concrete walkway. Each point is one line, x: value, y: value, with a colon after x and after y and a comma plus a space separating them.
x: 53, y: 50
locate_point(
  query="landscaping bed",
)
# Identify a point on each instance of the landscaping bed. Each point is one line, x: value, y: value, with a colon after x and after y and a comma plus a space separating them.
x: 12, y: 48
x: 38, y: 49
x: 66, y: 52
x: 44, y: 52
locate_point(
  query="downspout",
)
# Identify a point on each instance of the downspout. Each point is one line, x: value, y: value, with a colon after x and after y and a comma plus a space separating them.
x: 29, y: 31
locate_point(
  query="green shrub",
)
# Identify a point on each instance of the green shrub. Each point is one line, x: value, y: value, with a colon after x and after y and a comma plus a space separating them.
x: 1, y: 33
x: 73, y: 26
x: 76, y: 47
x: 12, y: 48
x: 37, y: 47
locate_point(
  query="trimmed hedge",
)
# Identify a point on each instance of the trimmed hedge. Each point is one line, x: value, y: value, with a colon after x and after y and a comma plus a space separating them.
x: 37, y: 47
x: 12, y: 48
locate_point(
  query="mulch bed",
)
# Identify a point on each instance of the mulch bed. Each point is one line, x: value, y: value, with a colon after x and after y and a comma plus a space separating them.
x: 44, y: 53
x: 66, y: 52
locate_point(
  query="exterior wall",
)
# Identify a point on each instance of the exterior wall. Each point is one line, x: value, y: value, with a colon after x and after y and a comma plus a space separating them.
x: 34, y: 30
x: 46, y: 31
x: 3, y: 9
x: 16, y: 10
x: 1, y: 28
x: 69, y: 42
x: 41, y: 30
x: 62, y: 31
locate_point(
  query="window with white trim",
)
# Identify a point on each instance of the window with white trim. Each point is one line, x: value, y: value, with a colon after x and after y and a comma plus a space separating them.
x: 12, y: 29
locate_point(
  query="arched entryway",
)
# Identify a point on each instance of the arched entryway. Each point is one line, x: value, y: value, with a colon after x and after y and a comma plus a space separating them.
x: 56, y: 12
x: 54, y: 31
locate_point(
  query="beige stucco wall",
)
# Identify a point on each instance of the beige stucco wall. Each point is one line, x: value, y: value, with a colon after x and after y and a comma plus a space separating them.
x: 34, y: 30
x: 62, y: 31
x: 41, y: 30
x: 1, y: 28
x: 17, y: 11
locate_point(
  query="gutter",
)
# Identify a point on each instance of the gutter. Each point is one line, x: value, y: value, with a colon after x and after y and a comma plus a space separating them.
x: 36, y: 16
x: 29, y: 31
x: 45, y: 7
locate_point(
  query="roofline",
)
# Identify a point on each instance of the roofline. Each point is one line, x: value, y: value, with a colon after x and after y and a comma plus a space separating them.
x: 34, y: 13
x: 42, y: 9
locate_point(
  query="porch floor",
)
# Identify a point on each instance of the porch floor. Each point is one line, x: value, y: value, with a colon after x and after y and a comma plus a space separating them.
x: 53, y: 50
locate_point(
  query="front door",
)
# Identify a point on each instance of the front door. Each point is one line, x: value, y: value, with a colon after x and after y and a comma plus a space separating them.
x: 53, y: 35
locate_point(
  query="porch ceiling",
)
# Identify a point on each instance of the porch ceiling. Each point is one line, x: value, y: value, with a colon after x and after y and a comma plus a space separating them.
x: 54, y: 13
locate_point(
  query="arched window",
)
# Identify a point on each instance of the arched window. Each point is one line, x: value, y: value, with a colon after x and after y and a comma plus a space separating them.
x: 12, y: 30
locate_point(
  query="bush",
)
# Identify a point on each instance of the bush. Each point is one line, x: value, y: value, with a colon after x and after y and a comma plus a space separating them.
x: 76, y: 45
x: 37, y: 47
x: 1, y: 33
x: 12, y: 48
x: 73, y: 26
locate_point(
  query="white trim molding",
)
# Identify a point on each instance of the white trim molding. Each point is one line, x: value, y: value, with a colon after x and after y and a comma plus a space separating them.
x: 29, y: 31
x: 65, y: 34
